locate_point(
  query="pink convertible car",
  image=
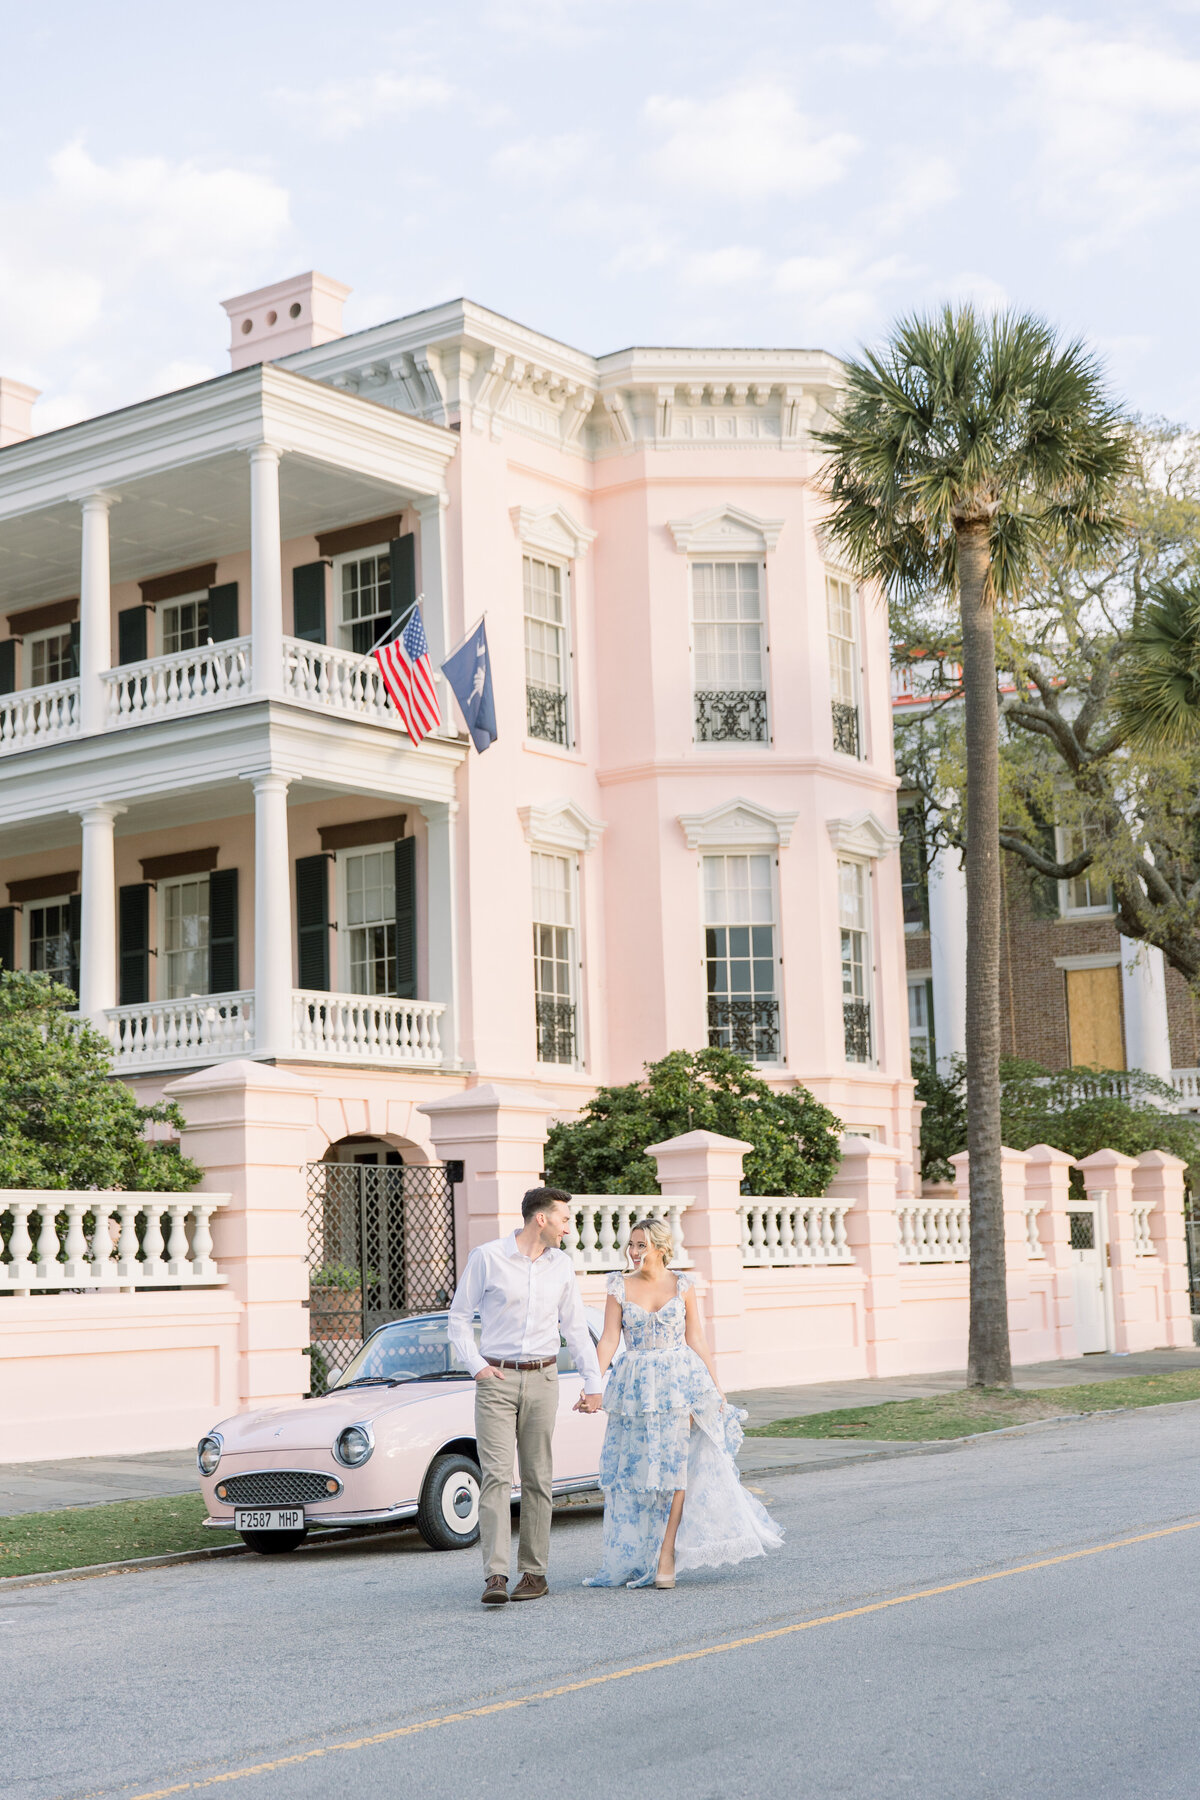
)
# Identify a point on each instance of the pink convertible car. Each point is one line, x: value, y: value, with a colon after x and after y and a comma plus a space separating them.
x: 393, y: 1439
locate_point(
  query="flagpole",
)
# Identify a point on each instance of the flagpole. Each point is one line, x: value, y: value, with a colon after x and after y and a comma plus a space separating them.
x: 467, y: 636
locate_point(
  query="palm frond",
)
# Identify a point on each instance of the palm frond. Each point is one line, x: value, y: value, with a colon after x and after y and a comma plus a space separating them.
x: 1157, y: 689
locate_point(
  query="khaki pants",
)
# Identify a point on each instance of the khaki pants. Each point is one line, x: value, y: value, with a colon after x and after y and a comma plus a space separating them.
x: 516, y: 1415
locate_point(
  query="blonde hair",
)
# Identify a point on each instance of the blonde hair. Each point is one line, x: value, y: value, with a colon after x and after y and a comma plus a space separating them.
x: 658, y: 1236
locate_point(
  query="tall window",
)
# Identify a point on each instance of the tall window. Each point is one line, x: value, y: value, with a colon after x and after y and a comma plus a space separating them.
x: 729, y: 652
x: 366, y: 602
x: 51, y: 949
x: 545, y: 650
x: 554, y: 957
x: 185, y: 923
x: 51, y: 658
x: 843, y: 665
x: 370, y: 878
x: 853, y: 910
x: 920, y: 1017
x: 1086, y: 893
x: 914, y: 869
x: 185, y: 626
x: 739, y: 947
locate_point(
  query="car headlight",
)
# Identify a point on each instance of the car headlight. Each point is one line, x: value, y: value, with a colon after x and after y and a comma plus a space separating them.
x: 353, y: 1445
x: 208, y: 1453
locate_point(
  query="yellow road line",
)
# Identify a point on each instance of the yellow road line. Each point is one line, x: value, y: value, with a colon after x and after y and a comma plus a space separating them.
x: 666, y: 1662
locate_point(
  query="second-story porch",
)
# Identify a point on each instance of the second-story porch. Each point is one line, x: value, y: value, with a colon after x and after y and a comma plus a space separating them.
x: 185, y: 526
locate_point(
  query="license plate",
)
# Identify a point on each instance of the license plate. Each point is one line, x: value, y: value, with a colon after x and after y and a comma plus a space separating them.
x: 268, y: 1518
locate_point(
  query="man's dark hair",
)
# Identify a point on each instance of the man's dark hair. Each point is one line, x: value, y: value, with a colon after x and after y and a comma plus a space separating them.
x: 541, y: 1200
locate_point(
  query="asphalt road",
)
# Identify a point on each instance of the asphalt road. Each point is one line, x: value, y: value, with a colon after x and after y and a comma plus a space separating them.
x: 302, y: 1678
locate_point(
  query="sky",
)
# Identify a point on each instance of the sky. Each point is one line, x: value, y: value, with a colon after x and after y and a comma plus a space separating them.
x: 610, y: 172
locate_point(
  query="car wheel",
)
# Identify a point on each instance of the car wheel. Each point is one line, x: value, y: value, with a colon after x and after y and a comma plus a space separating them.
x: 272, y: 1543
x: 448, y: 1510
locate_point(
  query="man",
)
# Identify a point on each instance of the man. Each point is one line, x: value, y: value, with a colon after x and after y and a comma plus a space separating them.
x: 523, y: 1287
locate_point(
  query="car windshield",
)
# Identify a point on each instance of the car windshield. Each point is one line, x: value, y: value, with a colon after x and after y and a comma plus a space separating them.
x: 409, y: 1350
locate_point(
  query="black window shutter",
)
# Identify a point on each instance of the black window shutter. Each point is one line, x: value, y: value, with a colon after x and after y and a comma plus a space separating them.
x: 308, y: 604
x: 74, y: 916
x: 222, y: 931
x: 406, y: 918
x: 8, y: 666
x: 75, y: 651
x: 223, y: 617
x: 8, y: 920
x: 131, y: 635
x: 312, y: 921
x: 403, y: 552
x: 134, y: 941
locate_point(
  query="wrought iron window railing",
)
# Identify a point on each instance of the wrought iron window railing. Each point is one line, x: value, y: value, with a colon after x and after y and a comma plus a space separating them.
x: 731, y: 715
x: 546, y: 713
x: 856, y: 1016
x: 748, y: 1026
x: 556, y: 1030
x: 846, y: 735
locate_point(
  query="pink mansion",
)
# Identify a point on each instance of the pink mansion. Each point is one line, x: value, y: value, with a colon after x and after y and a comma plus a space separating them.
x: 216, y: 830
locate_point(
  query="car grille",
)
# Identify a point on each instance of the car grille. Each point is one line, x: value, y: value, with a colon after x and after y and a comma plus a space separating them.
x: 278, y: 1487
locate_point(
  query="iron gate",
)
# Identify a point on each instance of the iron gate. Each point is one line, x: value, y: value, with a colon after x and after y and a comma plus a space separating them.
x: 380, y: 1245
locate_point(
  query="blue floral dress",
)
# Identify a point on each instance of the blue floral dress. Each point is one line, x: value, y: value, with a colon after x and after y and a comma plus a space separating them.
x: 668, y: 1428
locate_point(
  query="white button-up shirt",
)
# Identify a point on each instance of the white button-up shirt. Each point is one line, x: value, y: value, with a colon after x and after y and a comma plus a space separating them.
x: 523, y: 1303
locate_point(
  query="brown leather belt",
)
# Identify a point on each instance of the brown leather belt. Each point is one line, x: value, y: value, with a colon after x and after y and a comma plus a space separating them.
x: 506, y: 1362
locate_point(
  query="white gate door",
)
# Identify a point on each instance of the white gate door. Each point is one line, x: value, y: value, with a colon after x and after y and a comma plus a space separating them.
x: 1087, y: 1258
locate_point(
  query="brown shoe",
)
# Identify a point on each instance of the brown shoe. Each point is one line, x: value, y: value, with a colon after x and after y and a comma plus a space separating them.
x: 530, y: 1587
x: 495, y: 1591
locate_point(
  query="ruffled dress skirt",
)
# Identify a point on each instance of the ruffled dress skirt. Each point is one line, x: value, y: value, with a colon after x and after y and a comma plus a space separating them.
x: 668, y: 1428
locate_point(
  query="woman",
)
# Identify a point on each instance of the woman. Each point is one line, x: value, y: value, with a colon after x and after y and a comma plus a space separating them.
x: 671, y: 1435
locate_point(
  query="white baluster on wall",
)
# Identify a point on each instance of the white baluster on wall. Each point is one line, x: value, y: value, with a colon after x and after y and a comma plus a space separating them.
x: 841, y: 1247
x: 152, y: 1267
x: 22, y: 1270
x: 178, y: 1264
x: 47, y: 1241
x: 76, y: 1268
x: 202, y: 1263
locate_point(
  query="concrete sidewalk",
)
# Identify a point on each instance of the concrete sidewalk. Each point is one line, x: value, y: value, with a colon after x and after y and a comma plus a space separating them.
x: 96, y: 1480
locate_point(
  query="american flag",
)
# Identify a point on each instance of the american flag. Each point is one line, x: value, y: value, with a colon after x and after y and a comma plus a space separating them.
x: 408, y: 676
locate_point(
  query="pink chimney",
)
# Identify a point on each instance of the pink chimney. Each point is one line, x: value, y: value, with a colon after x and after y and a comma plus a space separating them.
x: 16, y: 411
x: 291, y: 315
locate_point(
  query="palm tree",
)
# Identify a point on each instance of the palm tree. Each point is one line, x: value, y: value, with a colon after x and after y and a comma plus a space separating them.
x: 1158, y: 688
x: 961, y: 450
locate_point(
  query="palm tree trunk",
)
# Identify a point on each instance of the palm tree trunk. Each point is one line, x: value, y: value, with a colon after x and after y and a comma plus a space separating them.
x: 989, y: 1361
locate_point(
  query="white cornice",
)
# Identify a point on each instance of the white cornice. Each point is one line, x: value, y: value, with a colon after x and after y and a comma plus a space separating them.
x: 862, y: 835
x: 551, y: 529
x: 738, y: 823
x: 724, y: 528
x: 560, y: 825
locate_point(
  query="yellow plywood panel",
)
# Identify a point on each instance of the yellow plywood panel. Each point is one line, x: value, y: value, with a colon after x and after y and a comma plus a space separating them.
x: 1094, y: 1017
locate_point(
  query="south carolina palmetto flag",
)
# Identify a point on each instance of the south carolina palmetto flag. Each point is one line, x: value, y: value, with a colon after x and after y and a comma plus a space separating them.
x: 408, y: 677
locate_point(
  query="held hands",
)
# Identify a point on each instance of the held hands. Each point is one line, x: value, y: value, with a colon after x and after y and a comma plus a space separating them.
x: 587, y: 1403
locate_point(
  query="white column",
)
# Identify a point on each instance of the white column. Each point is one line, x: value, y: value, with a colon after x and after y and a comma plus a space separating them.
x: 95, y: 613
x: 430, y: 510
x: 441, y: 931
x: 1144, y: 993
x: 272, y: 916
x: 266, y: 572
x: 948, y: 953
x: 98, y: 913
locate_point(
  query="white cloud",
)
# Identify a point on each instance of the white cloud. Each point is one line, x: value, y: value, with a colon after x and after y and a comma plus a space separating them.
x: 546, y: 162
x: 334, y: 109
x: 131, y: 247
x: 980, y: 291
x: 724, y: 268
x: 840, y: 294
x: 750, y: 143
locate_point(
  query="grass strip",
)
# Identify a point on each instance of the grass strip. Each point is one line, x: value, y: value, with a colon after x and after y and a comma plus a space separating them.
x: 969, y: 1410
x: 74, y: 1537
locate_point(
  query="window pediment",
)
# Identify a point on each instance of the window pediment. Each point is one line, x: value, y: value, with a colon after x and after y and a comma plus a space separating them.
x: 552, y: 530
x: 738, y: 823
x: 725, y: 530
x: 862, y: 835
x: 560, y: 825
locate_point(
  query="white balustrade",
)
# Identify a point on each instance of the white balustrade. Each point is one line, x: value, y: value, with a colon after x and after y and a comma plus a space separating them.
x: 933, y: 1233
x: 163, y: 1033
x: 186, y: 681
x: 336, y: 680
x: 1037, y: 1250
x: 1186, y: 1083
x: 1143, y: 1243
x: 366, y: 1028
x: 793, y: 1233
x: 64, y: 1255
x: 603, y: 1223
x: 41, y: 715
